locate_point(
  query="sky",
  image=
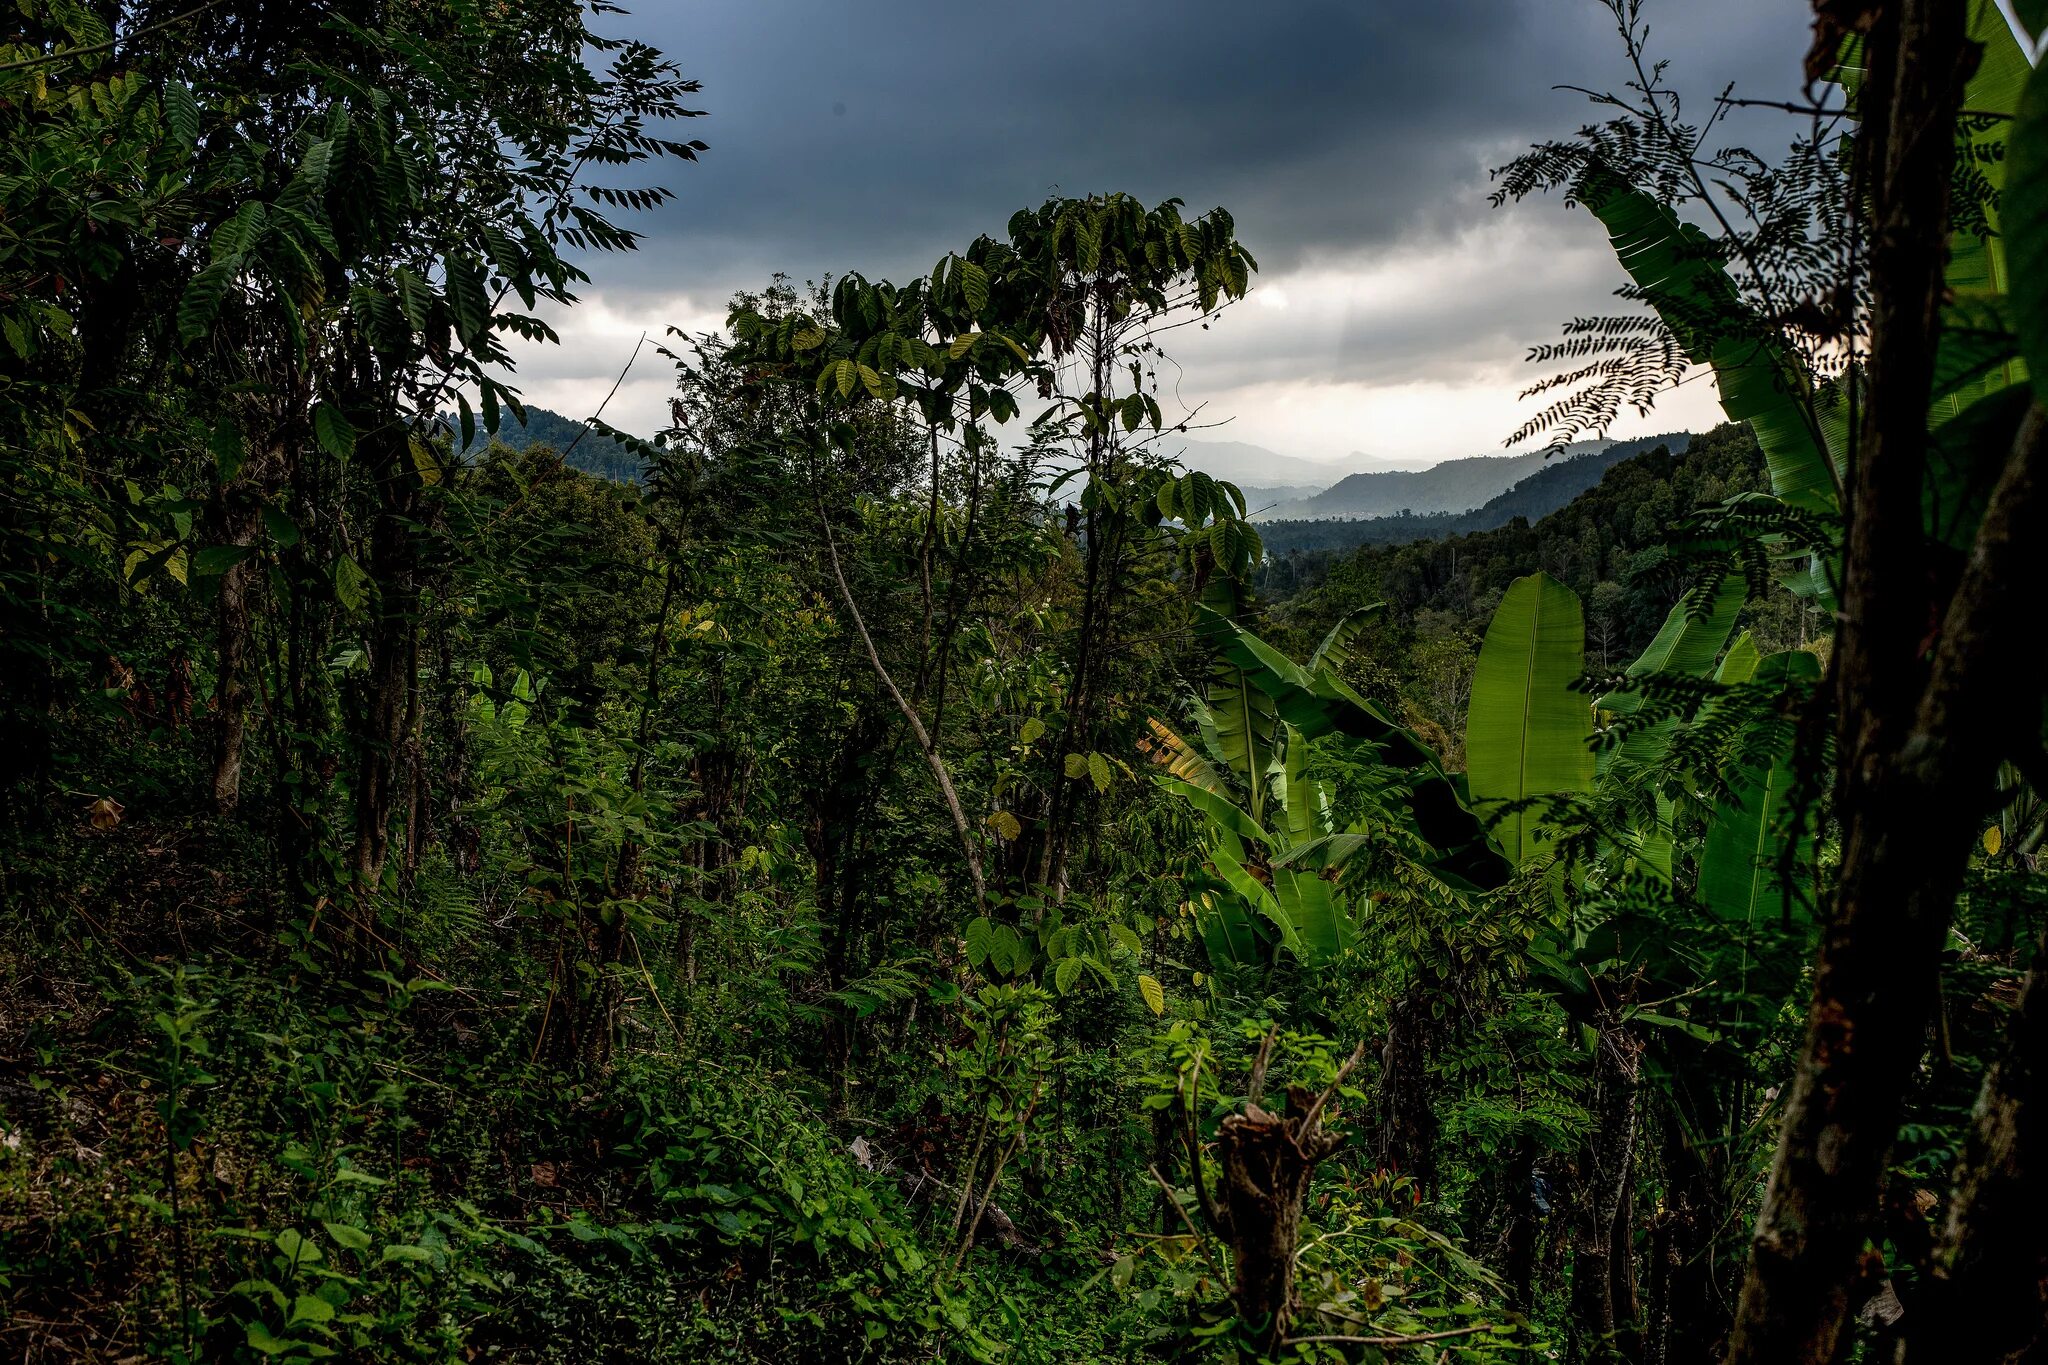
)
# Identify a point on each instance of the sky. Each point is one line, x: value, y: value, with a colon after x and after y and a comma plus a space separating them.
x: 1351, y: 142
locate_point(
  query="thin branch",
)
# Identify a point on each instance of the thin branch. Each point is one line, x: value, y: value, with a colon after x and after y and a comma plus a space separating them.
x: 26, y: 62
x: 924, y: 739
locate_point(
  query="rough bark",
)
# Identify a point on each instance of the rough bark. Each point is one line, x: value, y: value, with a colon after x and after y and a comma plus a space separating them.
x: 393, y: 664
x: 1909, y: 762
x: 1407, y: 1138
x: 1267, y: 1161
x: 1915, y: 746
x: 1991, y: 1270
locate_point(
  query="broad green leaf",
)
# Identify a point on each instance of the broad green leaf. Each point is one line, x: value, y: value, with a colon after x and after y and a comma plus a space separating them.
x: 2025, y: 211
x: 1526, y: 731
x: 351, y: 1238
x: 1760, y: 379
x: 1310, y: 904
x: 1739, y: 665
x: 1686, y: 647
x: 1224, y: 816
x: 1098, y: 772
x: 336, y: 434
x: 1739, y: 865
x: 1336, y: 645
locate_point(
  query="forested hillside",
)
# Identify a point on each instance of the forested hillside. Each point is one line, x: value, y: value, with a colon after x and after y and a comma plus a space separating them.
x: 910, y: 874
x: 581, y: 446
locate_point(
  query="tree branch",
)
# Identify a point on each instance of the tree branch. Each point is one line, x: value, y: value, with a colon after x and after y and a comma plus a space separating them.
x: 924, y: 740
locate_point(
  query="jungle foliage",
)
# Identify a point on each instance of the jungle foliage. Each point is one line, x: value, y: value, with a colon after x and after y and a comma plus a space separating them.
x: 909, y: 876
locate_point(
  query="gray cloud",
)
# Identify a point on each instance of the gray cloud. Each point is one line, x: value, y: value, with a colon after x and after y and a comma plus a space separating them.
x: 1350, y: 141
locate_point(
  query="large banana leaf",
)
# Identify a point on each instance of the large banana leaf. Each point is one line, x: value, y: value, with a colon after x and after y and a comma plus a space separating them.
x: 1761, y: 381
x: 2026, y: 221
x: 1685, y: 647
x: 1302, y: 804
x: 1977, y: 267
x: 1246, y: 726
x: 1184, y: 761
x: 1527, y: 731
x: 1739, y: 866
x: 1739, y: 664
x: 1321, y: 704
x: 1322, y: 926
x: 1336, y: 645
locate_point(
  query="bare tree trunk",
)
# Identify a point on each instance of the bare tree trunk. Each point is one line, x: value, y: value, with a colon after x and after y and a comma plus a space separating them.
x: 393, y: 659
x: 1601, y: 1206
x: 1917, y: 747
x: 1267, y: 1161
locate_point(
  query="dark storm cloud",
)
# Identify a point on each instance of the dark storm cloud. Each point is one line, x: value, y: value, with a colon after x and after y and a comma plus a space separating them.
x: 1351, y: 141
x: 874, y: 136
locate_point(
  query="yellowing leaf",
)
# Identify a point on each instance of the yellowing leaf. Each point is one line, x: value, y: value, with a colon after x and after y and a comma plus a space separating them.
x: 1994, y: 840
x: 1154, y: 993
x: 1098, y: 769
x: 1005, y: 824
x: 1077, y: 765
x: 1033, y: 728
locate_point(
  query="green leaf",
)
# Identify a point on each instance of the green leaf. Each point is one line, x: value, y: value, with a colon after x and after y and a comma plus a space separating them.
x: 1740, y: 663
x: 181, y: 115
x: 201, y: 302
x: 332, y: 429
x: 1032, y: 728
x: 467, y: 299
x: 1761, y: 380
x: 311, y: 1308
x: 1153, y: 993
x: 1739, y: 865
x: 1064, y: 975
x: 1321, y: 927
x: 259, y: 1338
x: 218, y: 559
x: 296, y: 1247
x: 1526, y: 731
x: 1224, y: 816
x: 282, y: 528
x: 1098, y: 771
x: 2025, y: 210
x: 351, y: 584
x: 974, y: 285
x: 352, y: 1238
x: 980, y: 940
x: 1336, y: 645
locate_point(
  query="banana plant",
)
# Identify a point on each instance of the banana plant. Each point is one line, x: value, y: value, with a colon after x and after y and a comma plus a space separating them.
x: 1271, y: 835
x: 1527, y: 733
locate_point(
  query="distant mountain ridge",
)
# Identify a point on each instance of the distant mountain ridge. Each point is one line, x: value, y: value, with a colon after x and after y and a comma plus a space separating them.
x: 1453, y: 486
x: 1250, y: 466
x: 1550, y: 488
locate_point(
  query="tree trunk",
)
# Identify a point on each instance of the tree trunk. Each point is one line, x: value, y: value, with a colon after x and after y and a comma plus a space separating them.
x: 1408, y: 1125
x: 393, y: 660
x: 1917, y: 746
x: 1267, y: 1161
